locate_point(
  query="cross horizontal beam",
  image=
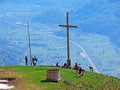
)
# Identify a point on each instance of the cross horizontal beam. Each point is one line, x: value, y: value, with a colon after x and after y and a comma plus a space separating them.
x: 70, y: 26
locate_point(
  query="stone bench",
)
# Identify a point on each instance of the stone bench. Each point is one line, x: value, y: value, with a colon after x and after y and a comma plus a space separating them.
x: 53, y: 75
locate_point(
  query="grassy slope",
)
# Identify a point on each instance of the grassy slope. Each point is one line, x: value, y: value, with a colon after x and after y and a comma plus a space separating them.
x: 32, y: 78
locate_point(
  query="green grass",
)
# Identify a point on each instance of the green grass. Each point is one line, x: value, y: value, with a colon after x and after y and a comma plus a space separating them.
x: 33, y: 78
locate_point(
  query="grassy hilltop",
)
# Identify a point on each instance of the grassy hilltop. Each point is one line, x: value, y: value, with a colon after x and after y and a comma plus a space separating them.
x: 33, y: 78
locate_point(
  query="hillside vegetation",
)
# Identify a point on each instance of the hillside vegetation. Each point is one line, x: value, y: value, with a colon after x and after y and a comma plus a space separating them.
x: 33, y: 78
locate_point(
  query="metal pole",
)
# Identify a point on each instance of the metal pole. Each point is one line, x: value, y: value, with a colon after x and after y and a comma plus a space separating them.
x: 29, y: 43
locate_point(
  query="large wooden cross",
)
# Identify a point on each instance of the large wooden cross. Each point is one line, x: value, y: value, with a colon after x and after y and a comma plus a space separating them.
x: 68, y: 45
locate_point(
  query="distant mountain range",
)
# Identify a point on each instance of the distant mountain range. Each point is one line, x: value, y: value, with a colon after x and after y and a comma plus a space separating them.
x: 93, y: 17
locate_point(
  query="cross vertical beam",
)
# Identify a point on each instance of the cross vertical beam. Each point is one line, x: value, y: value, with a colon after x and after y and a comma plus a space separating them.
x: 68, y: 43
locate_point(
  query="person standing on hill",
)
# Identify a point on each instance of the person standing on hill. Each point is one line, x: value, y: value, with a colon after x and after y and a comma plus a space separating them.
x: 26, y: 60
x: 80, y: 70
